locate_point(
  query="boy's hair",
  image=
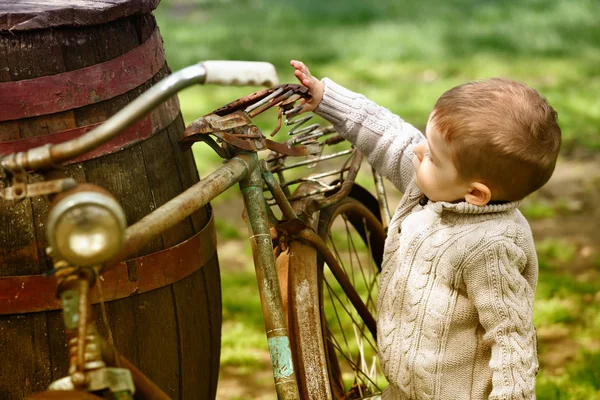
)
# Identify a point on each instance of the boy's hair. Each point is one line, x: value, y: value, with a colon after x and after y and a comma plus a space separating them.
x: 500, y: 132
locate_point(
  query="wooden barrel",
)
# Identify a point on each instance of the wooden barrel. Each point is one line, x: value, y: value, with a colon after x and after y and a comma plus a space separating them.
x: 66, y: 66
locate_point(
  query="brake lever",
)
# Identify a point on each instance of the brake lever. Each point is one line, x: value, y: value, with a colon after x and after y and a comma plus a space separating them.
x: 20, y: 189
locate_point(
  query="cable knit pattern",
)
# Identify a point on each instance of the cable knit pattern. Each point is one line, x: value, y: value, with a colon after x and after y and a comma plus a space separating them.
x: 458, y: 281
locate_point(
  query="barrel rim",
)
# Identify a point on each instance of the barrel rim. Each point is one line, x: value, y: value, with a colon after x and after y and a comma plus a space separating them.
x: 16, y: 15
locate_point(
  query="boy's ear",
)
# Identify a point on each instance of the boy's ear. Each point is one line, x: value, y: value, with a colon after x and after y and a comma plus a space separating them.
x: 479, y: 195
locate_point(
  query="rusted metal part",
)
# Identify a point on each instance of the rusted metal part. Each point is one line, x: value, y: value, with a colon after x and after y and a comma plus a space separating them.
x: 263, y: 101
x: 282, y: 101
x: 305, y: 313
x: 268, y: 284
x: 55, y: 93
x: 283, y: 148
x: 298, y: 129
x: 246, y: 101
x: 38, y: 189
x: 304, y: 309
x: 250, y: 139
x: 223, y: 152
x: 33, y: 293
x: 313, y: 178
x: 313, y: 239
x: 278, y: 126
x: 232, y: 123
x: 47, y: 156
x: 277, y: 192
x: 144, y: 387
x: 9, y: 167
x: 344, y: 189
x: 283, y: 167
x: 85, y: 312
x: 242, y: 144
x: 323, y: 188
x: 182, y: 206
x: 87, y: 370
x: 384, y: 208
x: 215, y: 123
x: 80, y: 328
x: 291, y: 227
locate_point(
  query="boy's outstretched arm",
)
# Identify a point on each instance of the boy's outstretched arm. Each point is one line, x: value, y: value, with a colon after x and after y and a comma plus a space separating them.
x: 383, y: 137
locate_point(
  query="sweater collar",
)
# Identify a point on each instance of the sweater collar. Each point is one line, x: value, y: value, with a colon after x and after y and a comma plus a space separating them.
x: 466, y: 208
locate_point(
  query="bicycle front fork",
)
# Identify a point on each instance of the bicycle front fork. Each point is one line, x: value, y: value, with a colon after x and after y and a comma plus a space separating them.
x: 268, y: 285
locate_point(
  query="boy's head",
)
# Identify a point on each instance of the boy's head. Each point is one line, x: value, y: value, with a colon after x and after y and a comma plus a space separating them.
x: 496, y: 140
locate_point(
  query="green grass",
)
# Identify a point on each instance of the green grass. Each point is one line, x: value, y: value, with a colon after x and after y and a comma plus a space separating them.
x: 567, y: 316
x: 403, y: 55
x: 243, y: 330
x: 580, y: 381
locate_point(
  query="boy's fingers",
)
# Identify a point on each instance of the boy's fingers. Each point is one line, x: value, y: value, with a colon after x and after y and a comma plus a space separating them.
x: 305, y: 80
x: 300, y: 66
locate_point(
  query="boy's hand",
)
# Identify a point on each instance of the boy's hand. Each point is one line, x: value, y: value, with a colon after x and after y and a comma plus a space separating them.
x: 315, y: 86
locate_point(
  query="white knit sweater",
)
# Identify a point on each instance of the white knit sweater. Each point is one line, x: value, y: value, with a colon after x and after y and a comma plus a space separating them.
x: 455, y: 309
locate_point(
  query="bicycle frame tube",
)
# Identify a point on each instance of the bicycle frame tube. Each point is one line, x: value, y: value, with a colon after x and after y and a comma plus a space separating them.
x: 182, y: 206
x: 268, y: 284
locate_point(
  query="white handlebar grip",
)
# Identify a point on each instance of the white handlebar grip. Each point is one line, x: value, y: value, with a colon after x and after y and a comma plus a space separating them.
x: 240, y: 73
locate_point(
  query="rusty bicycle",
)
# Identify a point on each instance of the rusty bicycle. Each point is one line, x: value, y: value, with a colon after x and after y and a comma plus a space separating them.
x: 317, y: 238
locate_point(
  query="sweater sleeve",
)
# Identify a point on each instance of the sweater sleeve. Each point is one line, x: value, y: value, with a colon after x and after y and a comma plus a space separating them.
x: 504, y: 301
x: 383, y: 137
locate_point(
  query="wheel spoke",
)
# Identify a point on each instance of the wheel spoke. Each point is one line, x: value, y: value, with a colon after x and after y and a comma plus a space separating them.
x: 331, y: 292
x: 362, y: 271
x: 351, y: 362
x: 348, y: 312
x: 349, y: 243
x: 372, y: 267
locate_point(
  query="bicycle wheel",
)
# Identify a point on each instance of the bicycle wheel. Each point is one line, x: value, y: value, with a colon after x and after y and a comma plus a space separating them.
x: 336, y: 355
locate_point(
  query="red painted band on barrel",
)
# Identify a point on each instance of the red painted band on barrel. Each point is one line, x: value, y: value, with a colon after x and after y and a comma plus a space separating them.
x: 160, y: 118
x: 81, y: 87
x: 33, y: 293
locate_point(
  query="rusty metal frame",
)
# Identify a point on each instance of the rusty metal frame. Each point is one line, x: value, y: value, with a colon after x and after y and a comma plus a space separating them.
x: 268, y: 285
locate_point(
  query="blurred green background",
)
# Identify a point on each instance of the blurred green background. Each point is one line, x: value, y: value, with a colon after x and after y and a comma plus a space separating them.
x: 404, y: 55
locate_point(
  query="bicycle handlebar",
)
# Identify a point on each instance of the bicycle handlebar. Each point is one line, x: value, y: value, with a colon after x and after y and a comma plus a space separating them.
x: 239, y: 73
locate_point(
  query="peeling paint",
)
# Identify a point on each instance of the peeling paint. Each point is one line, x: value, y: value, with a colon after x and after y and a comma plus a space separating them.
x: 281, y: 356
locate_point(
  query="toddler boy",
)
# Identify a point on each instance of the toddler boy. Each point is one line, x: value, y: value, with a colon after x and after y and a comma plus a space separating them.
x: 455, y: 307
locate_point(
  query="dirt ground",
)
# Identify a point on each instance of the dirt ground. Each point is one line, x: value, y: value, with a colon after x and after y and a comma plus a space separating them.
x: 575, y: 186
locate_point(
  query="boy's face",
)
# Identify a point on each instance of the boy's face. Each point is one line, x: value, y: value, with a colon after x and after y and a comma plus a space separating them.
x: 436, y: 174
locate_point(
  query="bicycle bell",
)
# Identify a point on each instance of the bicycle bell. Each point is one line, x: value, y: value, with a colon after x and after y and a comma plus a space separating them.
x: 86, y: 226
